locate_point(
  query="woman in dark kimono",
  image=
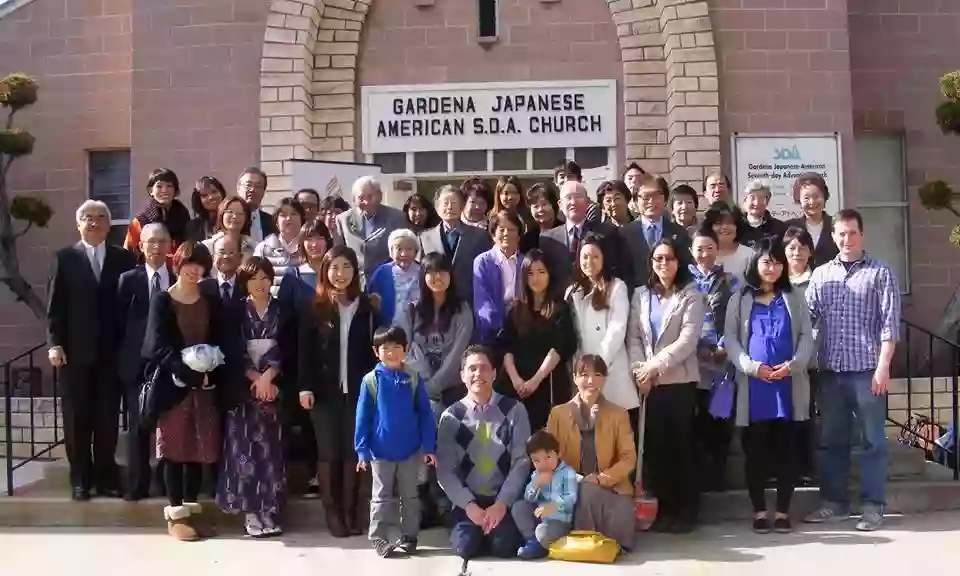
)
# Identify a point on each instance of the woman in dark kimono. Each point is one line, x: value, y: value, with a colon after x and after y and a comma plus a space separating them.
x: 252, y: 478
x: 188, y: 429
x: 537, y: 343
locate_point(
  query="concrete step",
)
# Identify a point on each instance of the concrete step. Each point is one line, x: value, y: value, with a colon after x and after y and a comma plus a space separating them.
x: 56, y: 509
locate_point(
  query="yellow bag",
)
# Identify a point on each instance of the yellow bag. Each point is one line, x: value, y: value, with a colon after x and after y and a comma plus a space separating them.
x: 583, y: 546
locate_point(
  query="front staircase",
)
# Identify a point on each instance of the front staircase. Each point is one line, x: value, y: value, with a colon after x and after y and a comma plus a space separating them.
x: 926, y: 383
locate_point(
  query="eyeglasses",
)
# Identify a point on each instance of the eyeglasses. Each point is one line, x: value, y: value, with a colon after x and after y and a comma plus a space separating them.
x: 156, y: 242
x: 660, y: 259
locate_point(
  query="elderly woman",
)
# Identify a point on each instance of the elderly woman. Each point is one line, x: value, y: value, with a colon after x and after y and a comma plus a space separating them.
x: 233, y: 221
x: 396, y: 283
x: 163, y: 208
x: 811, y: 193
x: 614, y: 196
x: 760, y: 224
x: 496, y: 276
x: 769, y: 340
x: 283, y: 249
x: 596, y: 440
x: 477, y: 200
x: 367, y: 227
x: 683, y: 207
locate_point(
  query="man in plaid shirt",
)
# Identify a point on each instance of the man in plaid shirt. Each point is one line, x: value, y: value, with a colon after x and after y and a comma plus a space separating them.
x: 854, y: 303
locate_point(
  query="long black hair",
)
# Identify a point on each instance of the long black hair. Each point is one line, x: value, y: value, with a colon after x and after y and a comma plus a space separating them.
x: 424, y: 308
x: 773, y: 248
x: 522, y: 311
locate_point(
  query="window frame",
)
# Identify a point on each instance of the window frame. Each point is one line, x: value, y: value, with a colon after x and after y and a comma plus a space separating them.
x: 903, y: 205
x: 495, y: 4
x: 114, y: 221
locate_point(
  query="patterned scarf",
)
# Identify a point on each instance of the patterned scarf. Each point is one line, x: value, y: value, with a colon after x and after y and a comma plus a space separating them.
x: 175, y: 218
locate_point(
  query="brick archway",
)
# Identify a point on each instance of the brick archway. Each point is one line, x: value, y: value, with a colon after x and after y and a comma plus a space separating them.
x: 308, y: 94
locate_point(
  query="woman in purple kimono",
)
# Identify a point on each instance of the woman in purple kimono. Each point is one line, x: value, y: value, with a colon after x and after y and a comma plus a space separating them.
x: 252, y: 478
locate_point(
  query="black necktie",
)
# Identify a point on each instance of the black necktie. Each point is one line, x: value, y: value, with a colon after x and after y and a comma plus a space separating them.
x: 575, y: 241
x: 156, y: 283
x: 225, y: 289
x: 452, y: 239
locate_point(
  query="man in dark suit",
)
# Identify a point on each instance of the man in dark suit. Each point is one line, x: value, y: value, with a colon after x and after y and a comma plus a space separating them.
x: 134, y: 291
x: 561, y: 244
x: 649, y: 228
x: 82, y: 339
x: 461, y: 243
x: 367, y: 226
x: 251, y: 186
x: 226, y: 260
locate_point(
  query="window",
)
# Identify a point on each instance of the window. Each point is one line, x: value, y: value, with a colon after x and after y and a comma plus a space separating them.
x: 487, y: 15
x: 109, y: 182
x: 391, y: 163
x: 548, y: 158
x: 430, y: 162
x: 588, y: 158
x: 470, y: 161
x: 882, y: 200
x: 510, y: 159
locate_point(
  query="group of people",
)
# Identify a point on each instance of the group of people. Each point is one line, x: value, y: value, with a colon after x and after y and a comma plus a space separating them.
x: 437, y: 354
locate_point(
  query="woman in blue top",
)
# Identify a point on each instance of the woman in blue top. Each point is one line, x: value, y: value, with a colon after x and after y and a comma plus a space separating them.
x: 769, y: 339
x: 397, y: 282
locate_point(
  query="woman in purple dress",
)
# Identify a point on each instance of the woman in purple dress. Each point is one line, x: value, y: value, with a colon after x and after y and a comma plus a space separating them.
x: 769, y: 340
x: 252, y: 478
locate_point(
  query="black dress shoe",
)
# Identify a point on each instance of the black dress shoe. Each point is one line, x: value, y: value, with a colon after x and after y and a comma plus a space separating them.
x: 80, y: 494
x: 109, y: 493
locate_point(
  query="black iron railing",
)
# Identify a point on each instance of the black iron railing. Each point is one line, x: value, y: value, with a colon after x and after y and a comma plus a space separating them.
x: 31, y: 404
x: 923, y: 403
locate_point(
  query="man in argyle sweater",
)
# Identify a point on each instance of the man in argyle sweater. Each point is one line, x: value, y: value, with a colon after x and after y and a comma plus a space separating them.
x: 481, y: 462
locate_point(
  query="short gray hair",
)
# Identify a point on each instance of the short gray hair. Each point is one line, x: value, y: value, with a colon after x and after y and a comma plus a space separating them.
x: 224, y: 238
x: 366, y: 182
x: 447, y: 189
x: 402, y: 235
x: 578, y: 186
x: 154, y: 228
x: 757, y: 186
x: 92, y: 206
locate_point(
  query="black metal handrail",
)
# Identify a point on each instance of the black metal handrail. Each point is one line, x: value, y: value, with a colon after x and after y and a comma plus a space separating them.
x: 942, y: 360
x: 13, y: 388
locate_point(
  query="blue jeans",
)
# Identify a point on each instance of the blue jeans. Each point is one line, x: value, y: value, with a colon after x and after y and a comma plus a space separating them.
x: 843, y: 396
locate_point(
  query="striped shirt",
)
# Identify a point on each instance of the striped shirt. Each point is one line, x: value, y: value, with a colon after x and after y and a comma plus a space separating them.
x: 853, y: 311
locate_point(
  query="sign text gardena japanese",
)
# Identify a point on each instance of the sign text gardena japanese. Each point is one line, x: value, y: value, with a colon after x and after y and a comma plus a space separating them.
x: 489, y: 116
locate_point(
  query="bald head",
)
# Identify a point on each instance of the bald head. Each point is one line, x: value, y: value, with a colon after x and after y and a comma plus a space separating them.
x: 573, y: 201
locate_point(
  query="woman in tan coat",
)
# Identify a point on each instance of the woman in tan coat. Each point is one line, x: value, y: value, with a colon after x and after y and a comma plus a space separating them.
x: 596, y: 440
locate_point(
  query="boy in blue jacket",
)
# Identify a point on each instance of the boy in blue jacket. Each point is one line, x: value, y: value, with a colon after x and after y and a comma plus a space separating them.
x: 395, y: 435
x: 545, y: 514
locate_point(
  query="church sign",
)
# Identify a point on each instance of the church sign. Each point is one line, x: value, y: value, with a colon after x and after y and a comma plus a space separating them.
x: 489, y: 116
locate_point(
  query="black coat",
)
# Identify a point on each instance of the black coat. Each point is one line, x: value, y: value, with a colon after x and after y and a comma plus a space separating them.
x: 554, y: 244
x: 82, y: 314
x: 770, y: 229
x: 164, y: 342
x: 639, y: 252
x: 133, y: 307
x: 319, y: 351
x: 825, y: 249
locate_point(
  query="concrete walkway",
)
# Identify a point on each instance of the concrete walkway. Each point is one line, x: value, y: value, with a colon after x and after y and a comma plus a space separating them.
x: 914, y: 545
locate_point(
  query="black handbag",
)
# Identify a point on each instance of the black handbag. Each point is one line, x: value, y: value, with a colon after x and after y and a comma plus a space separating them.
x: 149, y: 401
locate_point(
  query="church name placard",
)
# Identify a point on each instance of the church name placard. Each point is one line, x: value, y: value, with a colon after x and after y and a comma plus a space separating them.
x: 489, y: 116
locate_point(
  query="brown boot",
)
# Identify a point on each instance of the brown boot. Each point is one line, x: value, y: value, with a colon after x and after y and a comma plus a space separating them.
x: 200, y: 521
x: 178, y: 523
x: 331, y: 508
x: 351, y: 490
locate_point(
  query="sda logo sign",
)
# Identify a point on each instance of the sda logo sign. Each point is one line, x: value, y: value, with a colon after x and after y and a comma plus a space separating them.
x: 786, y: 154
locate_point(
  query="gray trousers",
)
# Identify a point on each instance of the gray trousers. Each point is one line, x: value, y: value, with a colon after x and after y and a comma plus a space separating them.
x: 388, y: 511
x: 546, y: 531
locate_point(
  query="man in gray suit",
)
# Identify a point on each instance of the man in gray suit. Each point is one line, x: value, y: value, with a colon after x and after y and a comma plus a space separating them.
x: 649, y: 228
x: 366, y: 227
x: 460, y: 243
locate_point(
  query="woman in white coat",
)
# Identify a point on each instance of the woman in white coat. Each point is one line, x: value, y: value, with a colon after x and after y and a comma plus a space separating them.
x: 600, y: 308
x: 666, y: 320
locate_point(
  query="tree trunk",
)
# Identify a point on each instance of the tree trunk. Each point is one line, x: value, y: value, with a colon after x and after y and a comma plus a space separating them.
x: 9, y: 260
